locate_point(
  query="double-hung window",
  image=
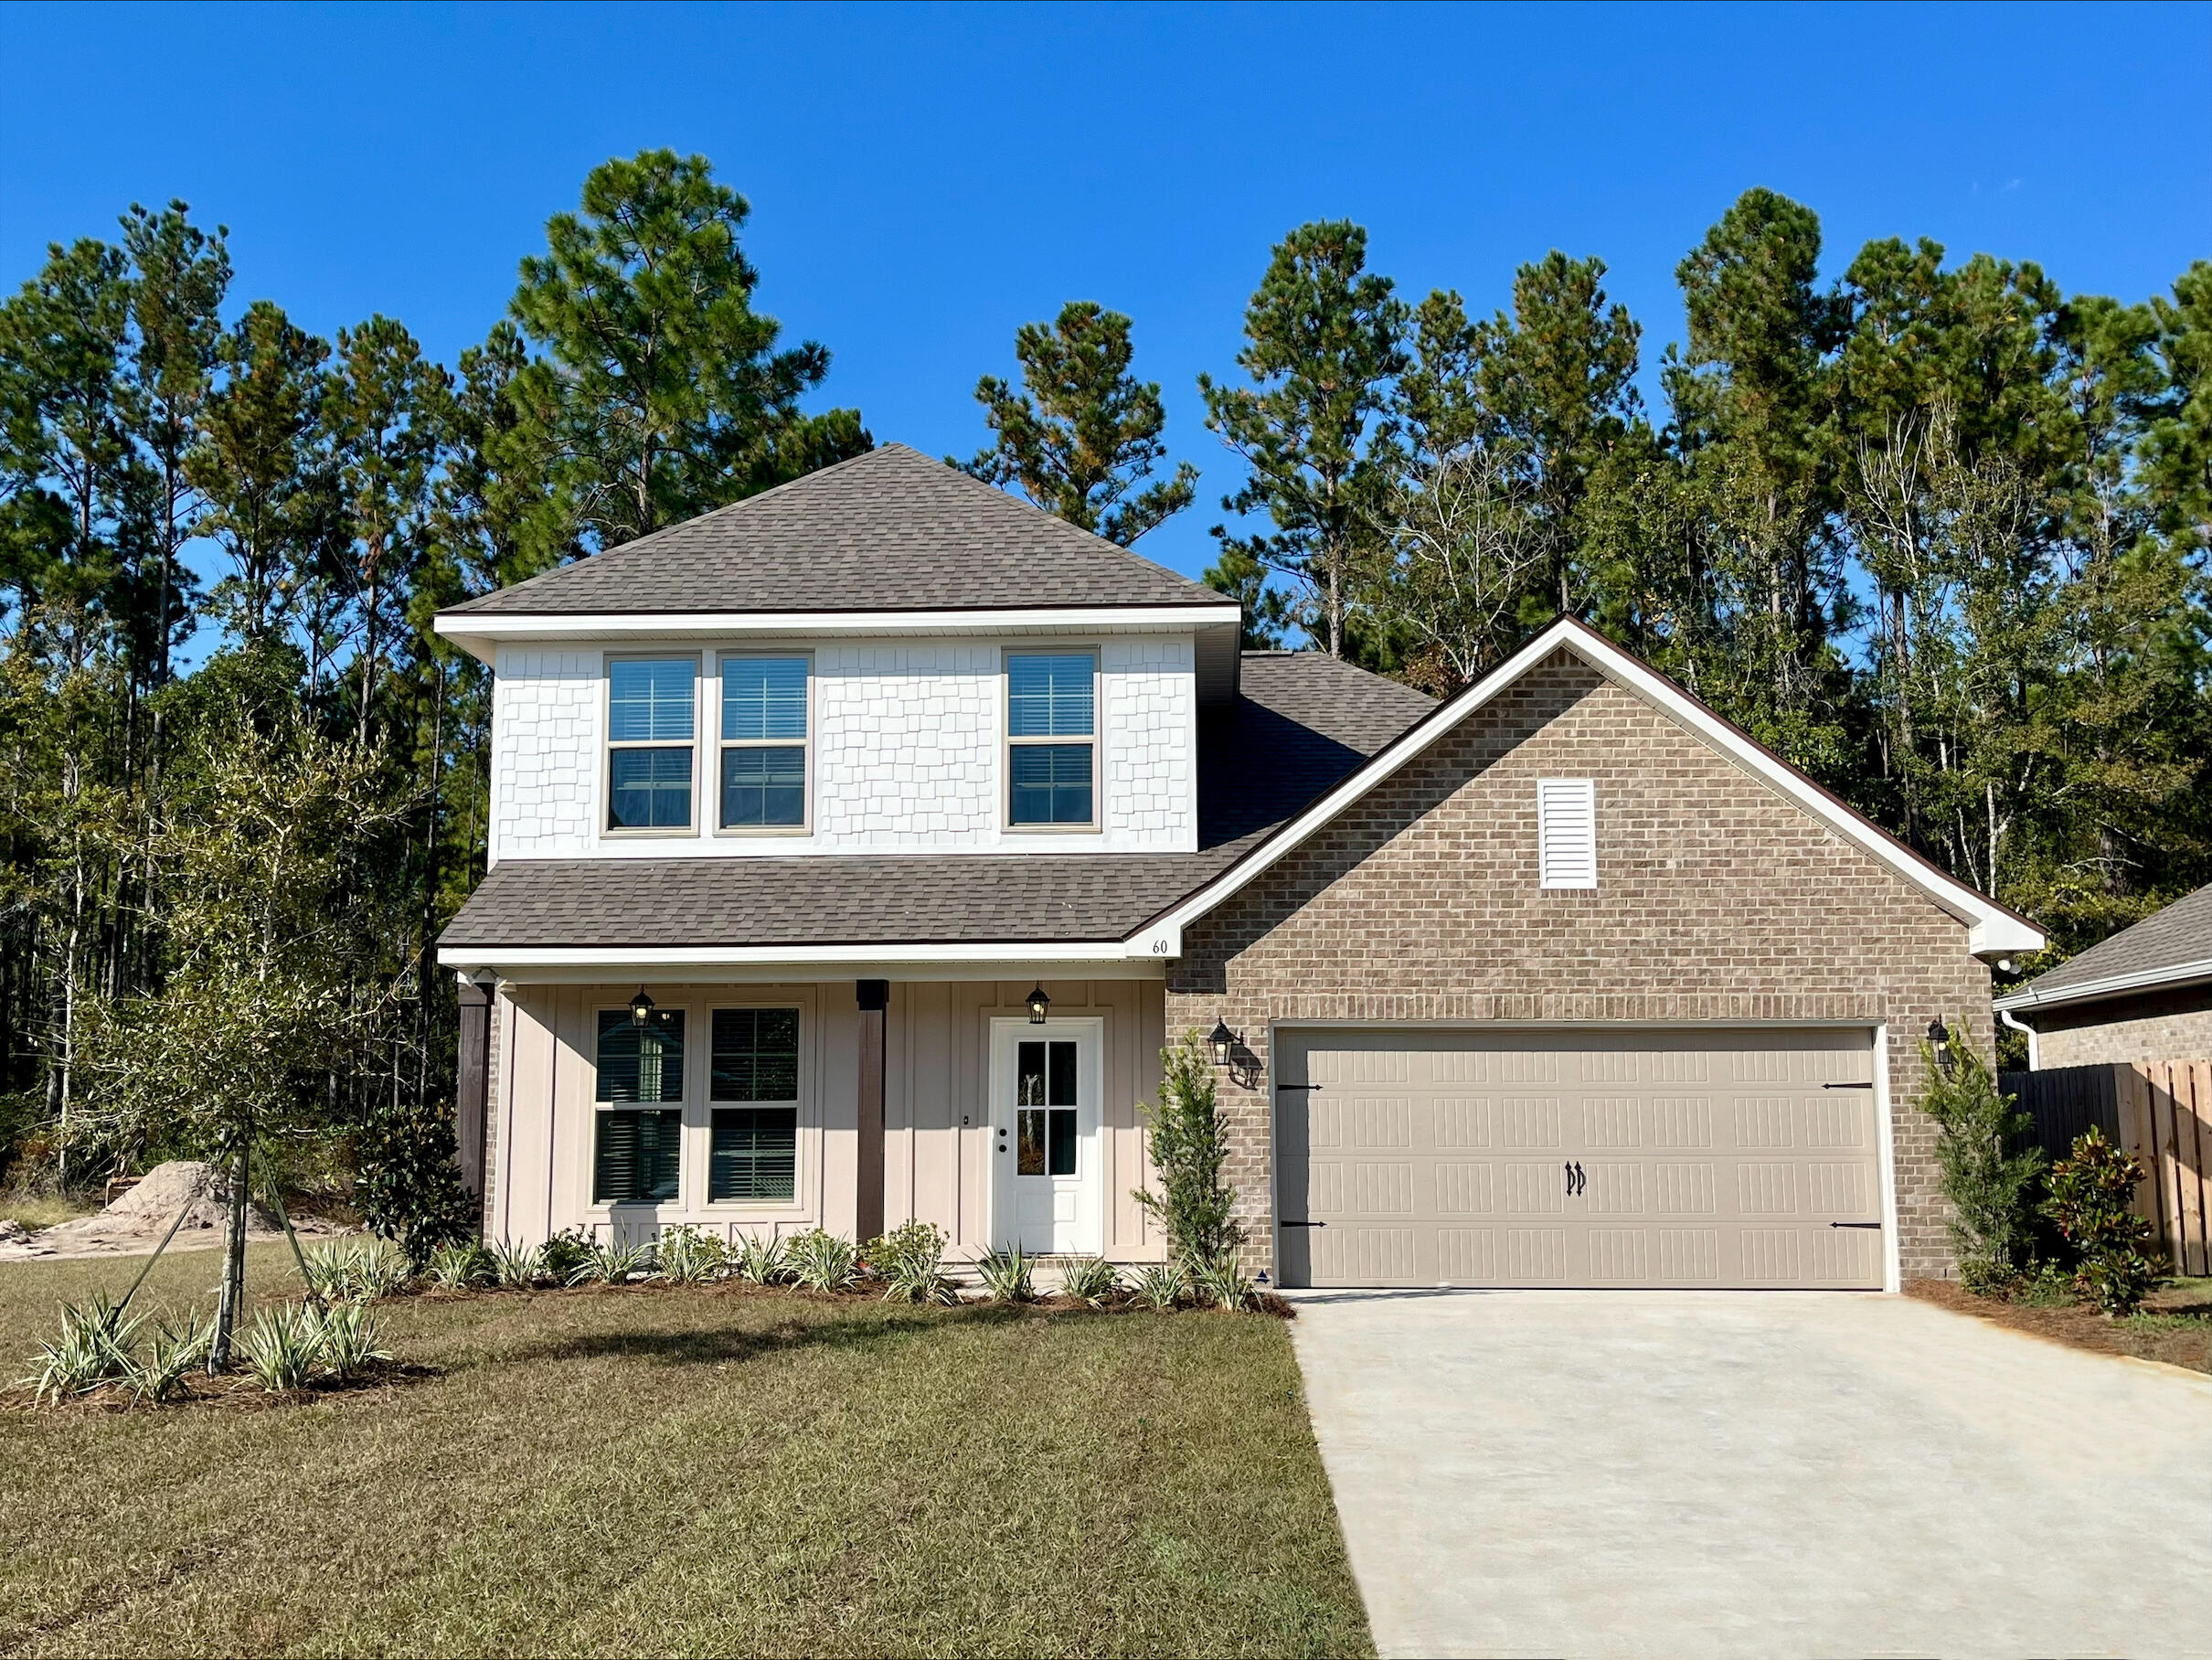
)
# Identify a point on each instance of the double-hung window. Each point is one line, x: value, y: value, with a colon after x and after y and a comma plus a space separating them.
x: 764, y: 743
x: 753, y: 1155
x: 637, y: 1158
x: 652, y: 706
x: 1051, y: 753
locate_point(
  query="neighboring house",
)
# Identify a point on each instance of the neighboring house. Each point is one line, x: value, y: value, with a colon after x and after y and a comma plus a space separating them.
x: 856, y: 848
x: 2143, y: 995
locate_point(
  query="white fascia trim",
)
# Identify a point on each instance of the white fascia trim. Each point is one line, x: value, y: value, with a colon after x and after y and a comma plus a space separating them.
x: 2178, y: 973
x: 796, y: 956
x: 470, y: 628
x: 1991, y: 927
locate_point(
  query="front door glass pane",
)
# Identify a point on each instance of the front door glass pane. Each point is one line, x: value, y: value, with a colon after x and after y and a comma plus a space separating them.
x: 1029, y: 1137
x: 1060, y: 1160
x: 1029, y: 1076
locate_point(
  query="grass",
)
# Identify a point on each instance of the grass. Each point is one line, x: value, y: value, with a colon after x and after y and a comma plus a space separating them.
x: 2174, y: 1324
x: 686, y: 1470
x: 41, y: 1210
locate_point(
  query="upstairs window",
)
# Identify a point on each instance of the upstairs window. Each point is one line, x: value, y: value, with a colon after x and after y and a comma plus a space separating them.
x: 764, y: 743
x: 1052, y: 758
x: 1566, y: 833
x: 638, y: 1137
x: 651, y: 710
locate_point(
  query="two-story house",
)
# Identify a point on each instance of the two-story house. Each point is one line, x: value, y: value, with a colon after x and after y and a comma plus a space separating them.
x: 856, y: 848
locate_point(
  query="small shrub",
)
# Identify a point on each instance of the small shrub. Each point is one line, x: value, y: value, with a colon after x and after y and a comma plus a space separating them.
x: 349, y: 1340
x: 92, y: 1351
x: 172, y: 1352
x: 1221, y: 1281
x: 1007, y: 1276
x: 611, y: 1263
x: 516, y: 1266
x: 911, y: 1261
x: 823, y: 1261
x: 1090, y: 1280
x: 1189, y: 1147
x: 282, y: 1346
x: 1160, y: 1286
x: 1988, y: 1174
x: 760, y: 1261
x: 466, y: 1266
x: 2092, y: 1197
x: 685, y: 1256
x: 563, y: 1254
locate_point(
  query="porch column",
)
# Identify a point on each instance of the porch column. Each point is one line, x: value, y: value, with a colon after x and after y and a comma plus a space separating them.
x: 874, y: 997
x: 471, y: 1091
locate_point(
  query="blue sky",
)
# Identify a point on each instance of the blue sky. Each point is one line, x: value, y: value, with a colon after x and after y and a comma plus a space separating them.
x: 924, y: 179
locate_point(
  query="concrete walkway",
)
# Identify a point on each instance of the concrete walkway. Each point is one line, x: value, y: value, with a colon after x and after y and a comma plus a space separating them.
x: 1771, y: 1474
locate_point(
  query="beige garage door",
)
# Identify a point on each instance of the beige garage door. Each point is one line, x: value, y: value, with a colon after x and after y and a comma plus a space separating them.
x: 1577, y: 1158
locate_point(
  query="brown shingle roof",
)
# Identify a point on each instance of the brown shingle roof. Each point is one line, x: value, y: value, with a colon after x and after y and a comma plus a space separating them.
x: 890, y: 530
x: 1304, y: 722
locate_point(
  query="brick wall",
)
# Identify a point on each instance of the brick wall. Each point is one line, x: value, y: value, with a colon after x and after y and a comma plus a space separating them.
x: 1717, y: 900
x: 2154, y: 1025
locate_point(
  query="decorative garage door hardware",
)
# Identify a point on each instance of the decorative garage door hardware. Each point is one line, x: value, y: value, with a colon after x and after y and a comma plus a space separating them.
x: 1576, y: 1180
x: 1305, y: 1224
x: 1281, y: 1087
x: 1847, y: 1086
x: 1874, y: 1225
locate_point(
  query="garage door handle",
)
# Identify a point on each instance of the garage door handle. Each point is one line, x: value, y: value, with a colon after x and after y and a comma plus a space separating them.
x: 1855, y: 1224
x: 1846, y: 1086
x: 1281, y: 1087
x: 1305, y: 1224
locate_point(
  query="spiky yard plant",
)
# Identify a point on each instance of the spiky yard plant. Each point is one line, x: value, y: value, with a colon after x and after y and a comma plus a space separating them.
x: 463, y: 1267
x: 92, y: 1351
x: 687, y: 1257
x: 1220, y: 1283
x: 172, y: 1351
x: 911, y: 1259
x: 1008, y: 1276
x: 283, y: 1348
x: 823, y: 1261
x: 1160, y: 1286
x: 350, y: 1340
x: 611, y: 1263
x: 762, y: 1260
x: 1090, y: 1280
x: 517, y: 1266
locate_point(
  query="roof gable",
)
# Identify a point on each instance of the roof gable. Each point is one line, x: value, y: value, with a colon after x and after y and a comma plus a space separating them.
x: 1990, y: 926
x: 888, y: 531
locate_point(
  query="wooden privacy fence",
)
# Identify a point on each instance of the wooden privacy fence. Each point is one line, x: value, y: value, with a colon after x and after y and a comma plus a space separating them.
x: 2161, y: 1111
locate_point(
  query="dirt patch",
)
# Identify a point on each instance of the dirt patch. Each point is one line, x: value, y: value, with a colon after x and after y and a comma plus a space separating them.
x: 136, y: 1222
x: 2175, y: 1325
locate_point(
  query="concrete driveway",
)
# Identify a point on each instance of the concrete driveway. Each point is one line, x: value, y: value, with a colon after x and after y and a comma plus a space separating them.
x: 1772, y: 1474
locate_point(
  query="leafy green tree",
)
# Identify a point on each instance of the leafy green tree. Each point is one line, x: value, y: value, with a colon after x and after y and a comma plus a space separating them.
x: 2178, y: 452
x: 1267, y: 610
x: 659, y: 391
x: 1990, y: 1173
x: 2092, y: 1200
x: 1189, y: 1148
x: 1323, y: 346
x: 1083, y: 432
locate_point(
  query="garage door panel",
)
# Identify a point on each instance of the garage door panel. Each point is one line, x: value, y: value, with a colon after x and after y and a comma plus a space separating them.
x: 1578, y: 1157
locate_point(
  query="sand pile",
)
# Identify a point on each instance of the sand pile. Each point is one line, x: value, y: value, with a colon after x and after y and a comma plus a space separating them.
x: 136, y: 1222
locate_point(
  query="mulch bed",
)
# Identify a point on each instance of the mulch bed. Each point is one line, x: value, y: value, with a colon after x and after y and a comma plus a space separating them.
x: 2174, y: 1326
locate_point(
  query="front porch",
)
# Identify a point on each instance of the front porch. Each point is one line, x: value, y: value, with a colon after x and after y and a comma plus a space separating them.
x: 776, y: 1106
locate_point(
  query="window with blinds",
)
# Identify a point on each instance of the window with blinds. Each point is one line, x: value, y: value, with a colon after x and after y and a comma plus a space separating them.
x: 753, y: 1149
x: 637, y: 1156
x: 1566, y: 833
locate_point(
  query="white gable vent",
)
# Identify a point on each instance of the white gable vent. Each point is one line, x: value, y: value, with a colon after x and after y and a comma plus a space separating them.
x: 1567, y: 832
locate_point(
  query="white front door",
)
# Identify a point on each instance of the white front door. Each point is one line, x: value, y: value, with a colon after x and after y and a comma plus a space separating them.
x: 1046, y: 1160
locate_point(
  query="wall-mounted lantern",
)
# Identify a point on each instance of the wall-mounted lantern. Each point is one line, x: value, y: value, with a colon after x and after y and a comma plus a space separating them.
x: 641, y: 1009
x: 1939, y: 1040
x: 1038, y: 1005
x: 1223, y: 1042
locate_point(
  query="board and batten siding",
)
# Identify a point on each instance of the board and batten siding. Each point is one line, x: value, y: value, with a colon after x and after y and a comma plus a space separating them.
x: 937, y: 1123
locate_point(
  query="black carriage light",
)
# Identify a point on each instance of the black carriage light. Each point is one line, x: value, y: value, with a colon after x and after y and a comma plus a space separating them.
x: 641, y: 1009
x: 1038, y: 1003
x: 1224, y: 1041
x: 1939, y: 1040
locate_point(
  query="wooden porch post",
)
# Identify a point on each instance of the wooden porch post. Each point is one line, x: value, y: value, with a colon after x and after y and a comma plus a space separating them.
x: 874, y: 997
x: 470, y: 1090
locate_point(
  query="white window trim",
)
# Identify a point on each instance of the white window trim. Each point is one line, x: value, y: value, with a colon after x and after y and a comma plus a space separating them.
x: 1007, y: 742
x: 609, y: 744
x: 763, y: 1208
x: 805, y: 826
x: 1576, y: 799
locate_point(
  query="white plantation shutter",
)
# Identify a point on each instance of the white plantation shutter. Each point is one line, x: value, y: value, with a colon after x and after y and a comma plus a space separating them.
x: 1567, y: 832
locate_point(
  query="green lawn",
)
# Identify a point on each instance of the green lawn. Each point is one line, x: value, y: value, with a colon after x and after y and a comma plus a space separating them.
x: 687, y: 1471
